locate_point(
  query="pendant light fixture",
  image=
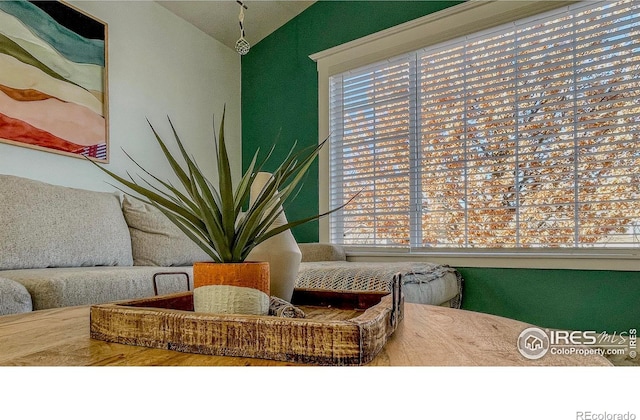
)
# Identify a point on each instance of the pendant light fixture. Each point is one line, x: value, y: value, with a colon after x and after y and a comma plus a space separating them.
x: 242, y: 45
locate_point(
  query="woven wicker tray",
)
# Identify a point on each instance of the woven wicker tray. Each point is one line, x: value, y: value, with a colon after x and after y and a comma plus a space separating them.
x: 340, y: 328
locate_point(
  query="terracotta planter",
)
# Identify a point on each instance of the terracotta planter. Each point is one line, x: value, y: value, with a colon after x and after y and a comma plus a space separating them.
x: 232, y: 288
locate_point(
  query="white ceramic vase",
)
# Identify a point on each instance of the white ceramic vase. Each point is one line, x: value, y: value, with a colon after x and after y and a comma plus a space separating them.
x: 281, y: 251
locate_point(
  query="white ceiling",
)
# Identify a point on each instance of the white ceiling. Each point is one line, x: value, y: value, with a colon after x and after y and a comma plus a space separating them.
x: 219, y: 18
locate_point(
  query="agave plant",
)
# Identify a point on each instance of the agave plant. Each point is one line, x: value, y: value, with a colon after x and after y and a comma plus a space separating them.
x: 211, y: 214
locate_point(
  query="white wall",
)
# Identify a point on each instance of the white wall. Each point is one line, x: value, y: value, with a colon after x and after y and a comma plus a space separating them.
x: 158, y: 65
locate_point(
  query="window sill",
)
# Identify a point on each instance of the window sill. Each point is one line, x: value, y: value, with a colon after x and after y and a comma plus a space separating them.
x: 628, y: 260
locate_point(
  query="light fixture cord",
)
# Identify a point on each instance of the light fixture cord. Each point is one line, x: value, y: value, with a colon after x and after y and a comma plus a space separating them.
x: 241, y: 21
x: 242, y: 45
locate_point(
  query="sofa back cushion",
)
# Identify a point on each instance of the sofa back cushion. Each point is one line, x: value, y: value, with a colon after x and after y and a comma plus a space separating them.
x: 155, y: 240
x: 43, y: 225
x: 320, y: 251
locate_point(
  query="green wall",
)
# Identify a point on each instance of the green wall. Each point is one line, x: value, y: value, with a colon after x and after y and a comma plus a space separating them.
x: 280, y: 81
x: 280, y: 99
x: 565, y: 299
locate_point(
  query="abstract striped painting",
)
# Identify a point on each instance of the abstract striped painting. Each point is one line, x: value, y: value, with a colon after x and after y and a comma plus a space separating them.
x: 53, y: 94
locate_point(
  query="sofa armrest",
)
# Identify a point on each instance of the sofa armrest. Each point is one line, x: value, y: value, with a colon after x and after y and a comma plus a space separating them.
x: 14, y: 298
x: 322, y: 252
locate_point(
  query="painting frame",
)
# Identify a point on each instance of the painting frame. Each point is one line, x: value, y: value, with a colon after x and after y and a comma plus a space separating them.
x: 54, y: 94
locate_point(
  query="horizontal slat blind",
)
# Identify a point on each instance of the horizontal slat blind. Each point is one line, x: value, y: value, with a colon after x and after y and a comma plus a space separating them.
x: 370, y: 138
x: 523, y: 136
x: 607, y: 125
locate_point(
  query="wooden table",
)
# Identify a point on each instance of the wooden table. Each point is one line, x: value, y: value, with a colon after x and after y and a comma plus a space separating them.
x: 428, y: 336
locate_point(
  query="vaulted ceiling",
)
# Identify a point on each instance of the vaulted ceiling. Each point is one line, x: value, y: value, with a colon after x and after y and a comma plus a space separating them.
x: 219, y: 18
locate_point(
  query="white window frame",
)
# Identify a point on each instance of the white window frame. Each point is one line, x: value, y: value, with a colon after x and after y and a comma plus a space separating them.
x: 463, y: 19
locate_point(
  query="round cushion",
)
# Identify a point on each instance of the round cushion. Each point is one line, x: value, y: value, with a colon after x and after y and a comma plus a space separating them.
x: 14, y: 298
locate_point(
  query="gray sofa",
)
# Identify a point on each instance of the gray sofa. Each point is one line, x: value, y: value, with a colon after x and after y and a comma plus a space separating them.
x: 63, y: 246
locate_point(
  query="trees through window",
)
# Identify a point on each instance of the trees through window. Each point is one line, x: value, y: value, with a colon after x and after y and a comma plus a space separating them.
x: 523, y: 136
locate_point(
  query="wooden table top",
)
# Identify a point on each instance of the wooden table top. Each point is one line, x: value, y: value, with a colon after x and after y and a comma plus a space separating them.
x: 428, y: 336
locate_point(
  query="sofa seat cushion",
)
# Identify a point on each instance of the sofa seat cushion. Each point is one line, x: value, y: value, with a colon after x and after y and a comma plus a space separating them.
x: 426, y: 283
x: 155, y: 240
x: 14, y: 298
x: 58, y: 287
x: 47, y: 225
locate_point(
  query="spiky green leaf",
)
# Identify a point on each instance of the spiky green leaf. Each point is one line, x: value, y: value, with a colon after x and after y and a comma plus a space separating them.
x: 210, y: 214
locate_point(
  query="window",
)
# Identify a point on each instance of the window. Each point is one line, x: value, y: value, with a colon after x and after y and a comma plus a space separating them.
x: 522, y: 136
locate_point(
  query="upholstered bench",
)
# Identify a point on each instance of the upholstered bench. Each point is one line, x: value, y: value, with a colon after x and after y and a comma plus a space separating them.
x: 325, y: 266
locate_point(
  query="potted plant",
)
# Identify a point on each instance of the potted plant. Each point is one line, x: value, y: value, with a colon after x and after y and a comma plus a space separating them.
x: 213, y: 215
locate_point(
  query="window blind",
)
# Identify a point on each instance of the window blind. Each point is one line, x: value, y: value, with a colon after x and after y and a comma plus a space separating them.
x: 522, y: 136
x: 372, y: 114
